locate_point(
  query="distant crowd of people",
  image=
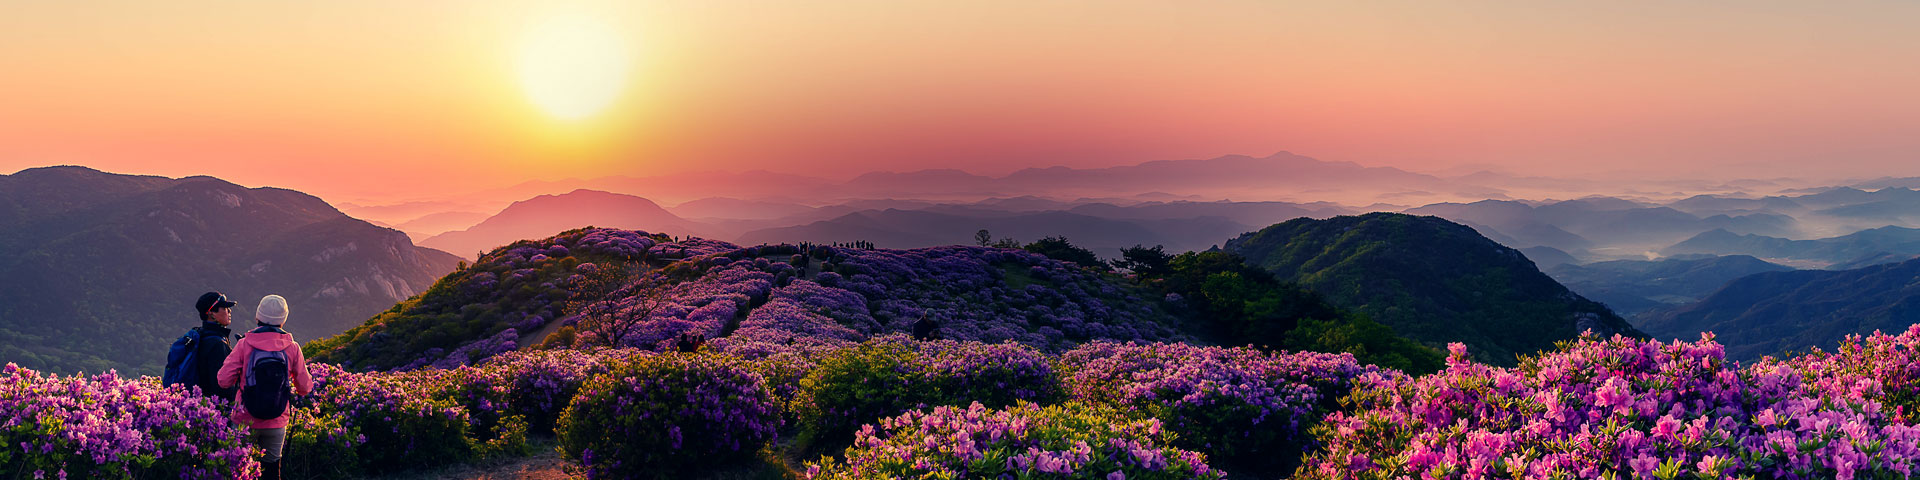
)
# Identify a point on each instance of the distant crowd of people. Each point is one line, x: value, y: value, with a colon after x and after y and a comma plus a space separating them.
x: 257, y: 373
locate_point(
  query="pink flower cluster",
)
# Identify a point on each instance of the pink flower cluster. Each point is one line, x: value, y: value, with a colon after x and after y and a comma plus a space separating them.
x: 1632, y: 409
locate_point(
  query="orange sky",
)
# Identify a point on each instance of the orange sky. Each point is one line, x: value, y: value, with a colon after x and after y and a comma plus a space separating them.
x: 360, y: 100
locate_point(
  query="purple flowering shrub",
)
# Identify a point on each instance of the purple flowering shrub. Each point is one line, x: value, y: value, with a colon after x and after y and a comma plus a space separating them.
x: 1239, y: 404
x: 1071, y: 441
x: 105, y: 426
x: 1626, y: 408
x: 886, y: 376
x: 996, y: 374
x: 495, y: 429
x: 538, y: 385
x: 668, y: 416
x: 780, y: 366
x: 399, y: 420
x: 353, y: 419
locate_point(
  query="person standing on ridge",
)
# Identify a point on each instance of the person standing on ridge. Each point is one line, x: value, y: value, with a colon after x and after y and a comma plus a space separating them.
x: 268, y: 368
x: 925, y: 329
x: 195, y: 359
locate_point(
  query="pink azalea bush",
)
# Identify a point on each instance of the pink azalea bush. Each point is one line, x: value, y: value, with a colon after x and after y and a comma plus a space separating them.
x: 1629, y: 409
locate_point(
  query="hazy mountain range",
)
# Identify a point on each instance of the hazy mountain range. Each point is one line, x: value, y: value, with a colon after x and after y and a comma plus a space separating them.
x: 1775, y: 312
x: 103, y: 269
x: 149, y: 244
x: 1631, y: 287
x: 1865, y: 244
x: 546, y: 214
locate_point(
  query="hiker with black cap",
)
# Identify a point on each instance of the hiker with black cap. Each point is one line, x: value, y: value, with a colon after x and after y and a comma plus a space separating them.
x: 194, y: 360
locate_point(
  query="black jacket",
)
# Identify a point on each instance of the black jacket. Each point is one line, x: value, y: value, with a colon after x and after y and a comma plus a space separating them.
x: 212, y: 353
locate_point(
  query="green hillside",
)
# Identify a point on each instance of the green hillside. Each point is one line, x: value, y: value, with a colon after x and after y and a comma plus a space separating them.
x: 1430, y: 280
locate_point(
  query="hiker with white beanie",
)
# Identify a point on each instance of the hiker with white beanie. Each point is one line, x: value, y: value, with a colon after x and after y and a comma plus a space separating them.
x: 269, y: 370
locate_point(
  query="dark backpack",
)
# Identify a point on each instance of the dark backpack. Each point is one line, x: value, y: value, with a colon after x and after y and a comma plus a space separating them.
x: 181, y: 361
x: 265, y: 393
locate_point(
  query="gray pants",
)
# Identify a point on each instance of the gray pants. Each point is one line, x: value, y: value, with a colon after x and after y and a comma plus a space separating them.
x: 270, y: 440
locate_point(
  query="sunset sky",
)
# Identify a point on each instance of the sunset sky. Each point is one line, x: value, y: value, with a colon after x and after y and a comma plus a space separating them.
x: 362, y: 100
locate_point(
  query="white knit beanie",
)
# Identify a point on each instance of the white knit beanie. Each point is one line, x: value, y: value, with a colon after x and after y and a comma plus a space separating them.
x: 272, y: 311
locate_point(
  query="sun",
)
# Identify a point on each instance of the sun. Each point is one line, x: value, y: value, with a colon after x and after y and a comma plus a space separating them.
x: 573, y: 65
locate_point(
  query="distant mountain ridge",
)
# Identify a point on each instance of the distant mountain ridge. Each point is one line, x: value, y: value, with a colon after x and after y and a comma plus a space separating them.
x: 104, y: 268
x: 1573, y: 226
x: 541, y: 216
x: 1429, y: 279
x: 1769, y: 313
x: 1631, y: 287
x: 1845, y: 248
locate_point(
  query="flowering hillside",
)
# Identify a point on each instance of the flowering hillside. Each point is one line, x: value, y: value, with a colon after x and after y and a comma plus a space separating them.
x: 1617, y: 408
x: 644, y: 356
x: 780, y: 294
x: 626, y: 413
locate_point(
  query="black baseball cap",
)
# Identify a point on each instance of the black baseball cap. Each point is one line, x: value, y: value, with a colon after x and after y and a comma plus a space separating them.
x: 211, y: 301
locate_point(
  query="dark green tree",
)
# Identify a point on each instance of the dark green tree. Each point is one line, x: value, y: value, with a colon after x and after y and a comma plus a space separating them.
x: 1147, y: 262
x: 1058, y: 248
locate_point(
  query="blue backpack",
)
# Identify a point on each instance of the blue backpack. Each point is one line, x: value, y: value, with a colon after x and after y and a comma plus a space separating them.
x: 181, y: 362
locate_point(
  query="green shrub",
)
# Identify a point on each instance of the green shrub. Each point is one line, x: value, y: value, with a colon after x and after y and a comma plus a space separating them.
x: 887, y: 376
x: 320, y: 446
x: 854, y: 386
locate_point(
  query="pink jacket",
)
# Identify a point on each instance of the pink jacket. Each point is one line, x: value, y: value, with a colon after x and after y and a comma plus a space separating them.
x: 235, y: 368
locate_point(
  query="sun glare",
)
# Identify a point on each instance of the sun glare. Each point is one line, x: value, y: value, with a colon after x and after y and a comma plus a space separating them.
x: 573, y: 66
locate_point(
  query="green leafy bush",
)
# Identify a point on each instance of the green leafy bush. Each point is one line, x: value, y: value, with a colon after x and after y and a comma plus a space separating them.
x: 320, y: 446
x: 855, y: 386
x: 890, y: 375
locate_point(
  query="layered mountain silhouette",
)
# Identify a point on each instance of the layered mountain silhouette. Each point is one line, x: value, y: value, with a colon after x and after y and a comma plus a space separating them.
x: 438, y: 223
x: 894, y: 228
x: 1577, y: 225
x: 1429, y: 279
x: 103, y: 269
x: 737, y: 209
x: 1631, y: 287
x: 1885, y: 242
x: 1770, y: 313
x: 541, y: 216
